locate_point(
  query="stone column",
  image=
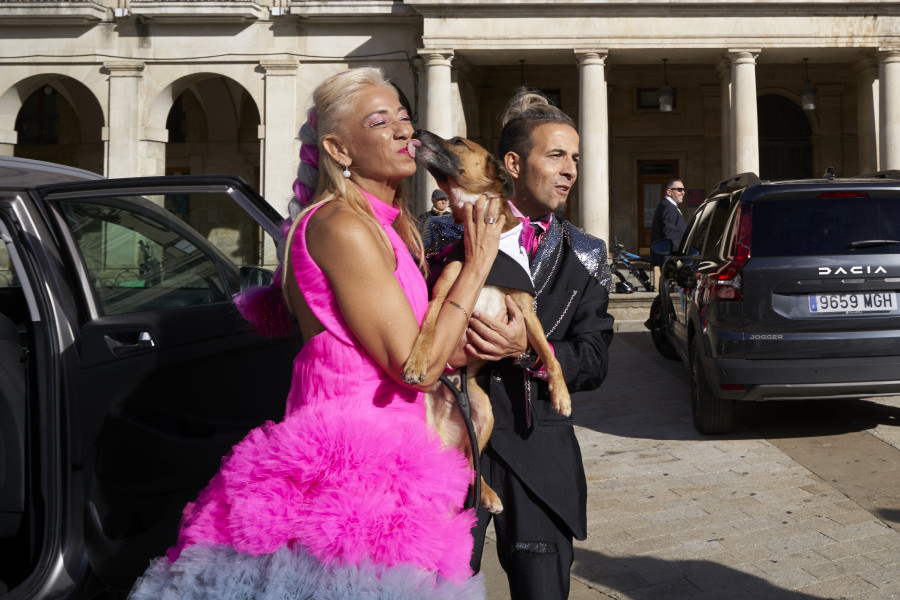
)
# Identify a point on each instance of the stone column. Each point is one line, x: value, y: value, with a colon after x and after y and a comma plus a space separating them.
x: 726, y: 164
x: 890, y: 110
x: 593, y: 169
x: 826, y: 144
x: 279, y: 132
x: 153, y: 150
x: 438, y: 110
x: 745, y: 130
x: 867, y: 112
x: 123, y: 156
x: 8, y: 140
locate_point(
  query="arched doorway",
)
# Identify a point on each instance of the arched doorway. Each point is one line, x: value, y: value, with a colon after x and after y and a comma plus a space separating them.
x: 213, y: 126
x: 60, y: 122
x: 785, y: 151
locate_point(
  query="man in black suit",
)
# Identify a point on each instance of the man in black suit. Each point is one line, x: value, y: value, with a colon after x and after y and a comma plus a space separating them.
x: 533, y: 460
x: 668, y: 222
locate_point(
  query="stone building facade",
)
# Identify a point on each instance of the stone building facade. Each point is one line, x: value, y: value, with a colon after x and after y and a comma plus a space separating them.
x: 150, y: 87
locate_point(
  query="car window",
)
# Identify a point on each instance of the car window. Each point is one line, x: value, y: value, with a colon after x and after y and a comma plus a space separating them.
x: 801, y: 226
x: 136, y: 263
x: 718, y: 237
x: 12, y: 296
x: 6, y: 271
x: 138, y: 257
x: 696, y: 235
x: 225, y: 225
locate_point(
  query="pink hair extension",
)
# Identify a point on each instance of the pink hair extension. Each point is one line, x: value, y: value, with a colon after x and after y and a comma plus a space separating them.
x: 308, y: 170
x: 264, y: 306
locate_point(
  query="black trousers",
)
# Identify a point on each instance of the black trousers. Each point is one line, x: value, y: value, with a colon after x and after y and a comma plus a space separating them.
x: 533, y: 545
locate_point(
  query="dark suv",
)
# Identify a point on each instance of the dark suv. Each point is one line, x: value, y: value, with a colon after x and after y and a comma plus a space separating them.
x: 784, y: 291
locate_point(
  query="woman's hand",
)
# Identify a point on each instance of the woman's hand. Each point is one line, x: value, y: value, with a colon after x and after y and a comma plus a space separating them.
x: 481, y: 233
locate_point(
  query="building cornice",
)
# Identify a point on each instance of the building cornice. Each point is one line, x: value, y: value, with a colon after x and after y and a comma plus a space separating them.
x: 52, y: 13
x: 221, y: 11
x: 344, y: 10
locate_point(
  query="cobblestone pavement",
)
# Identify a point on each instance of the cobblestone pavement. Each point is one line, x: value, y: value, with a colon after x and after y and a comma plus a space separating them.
x: 672, y: 515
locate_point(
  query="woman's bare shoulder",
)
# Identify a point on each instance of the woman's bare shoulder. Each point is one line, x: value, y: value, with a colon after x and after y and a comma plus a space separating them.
x: 336, y: 232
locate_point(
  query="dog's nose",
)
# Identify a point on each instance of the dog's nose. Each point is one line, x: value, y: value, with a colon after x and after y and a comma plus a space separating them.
x: 420, y: 132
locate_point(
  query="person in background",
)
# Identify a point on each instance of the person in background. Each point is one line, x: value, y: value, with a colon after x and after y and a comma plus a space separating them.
x: 440, y: 209
x: 439, y: 206
x: 668, y: 223
x: 437, y: 226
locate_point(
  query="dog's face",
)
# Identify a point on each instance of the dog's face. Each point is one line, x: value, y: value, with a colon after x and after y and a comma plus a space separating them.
x: 462, y: 168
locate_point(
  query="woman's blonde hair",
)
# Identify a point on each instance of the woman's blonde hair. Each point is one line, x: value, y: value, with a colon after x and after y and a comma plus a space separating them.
x: 333, y: 101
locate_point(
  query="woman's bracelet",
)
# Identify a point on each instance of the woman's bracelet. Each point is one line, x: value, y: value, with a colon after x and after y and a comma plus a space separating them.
x: 452, y: 303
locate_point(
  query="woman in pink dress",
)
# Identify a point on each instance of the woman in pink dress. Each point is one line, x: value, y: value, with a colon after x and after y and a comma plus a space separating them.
x: 351, y: 495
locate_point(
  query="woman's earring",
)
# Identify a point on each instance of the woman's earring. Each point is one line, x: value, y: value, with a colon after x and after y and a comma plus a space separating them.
x: 346, y: 172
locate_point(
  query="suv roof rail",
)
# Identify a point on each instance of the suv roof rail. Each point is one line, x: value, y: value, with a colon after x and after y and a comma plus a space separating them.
x: 741, y: 180
x: 890, y: 174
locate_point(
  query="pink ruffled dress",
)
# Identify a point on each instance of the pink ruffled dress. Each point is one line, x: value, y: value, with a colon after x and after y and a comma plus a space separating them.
x: 351, y: 495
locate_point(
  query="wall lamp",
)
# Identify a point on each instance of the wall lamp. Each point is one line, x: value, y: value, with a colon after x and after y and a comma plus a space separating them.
x: 808, y: 91
x: 666, y: 93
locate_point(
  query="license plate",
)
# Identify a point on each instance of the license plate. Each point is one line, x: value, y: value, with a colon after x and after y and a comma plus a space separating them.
x: 859, y: 302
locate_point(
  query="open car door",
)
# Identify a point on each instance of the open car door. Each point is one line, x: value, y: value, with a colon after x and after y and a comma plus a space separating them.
x: 141, y: 373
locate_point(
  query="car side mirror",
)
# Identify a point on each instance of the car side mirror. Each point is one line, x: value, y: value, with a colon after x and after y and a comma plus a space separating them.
x: 255, y: 276
x: 663, y: 247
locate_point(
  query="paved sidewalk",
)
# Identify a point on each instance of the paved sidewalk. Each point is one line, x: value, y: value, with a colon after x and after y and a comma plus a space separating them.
x: 672, y: 515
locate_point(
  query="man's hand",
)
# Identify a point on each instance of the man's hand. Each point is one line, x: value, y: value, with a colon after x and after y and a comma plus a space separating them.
x: 493, y: 338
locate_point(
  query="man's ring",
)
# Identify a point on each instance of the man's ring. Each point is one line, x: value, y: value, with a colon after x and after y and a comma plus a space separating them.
x: 491, y: 220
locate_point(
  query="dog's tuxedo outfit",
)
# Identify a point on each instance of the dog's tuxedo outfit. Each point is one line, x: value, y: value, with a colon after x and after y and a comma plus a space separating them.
x: 533, y: 460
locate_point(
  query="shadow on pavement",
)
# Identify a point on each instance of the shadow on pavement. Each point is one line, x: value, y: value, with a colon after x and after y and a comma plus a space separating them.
x: 889, y: 515
x: 647, y: 396
x: 645, y: 578
x: 814, y: 418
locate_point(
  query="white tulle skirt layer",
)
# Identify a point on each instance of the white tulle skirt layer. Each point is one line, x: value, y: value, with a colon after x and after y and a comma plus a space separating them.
x: 222, y: 573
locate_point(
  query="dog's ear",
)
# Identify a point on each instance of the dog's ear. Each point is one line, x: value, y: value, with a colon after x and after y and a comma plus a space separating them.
x: 500, y: 172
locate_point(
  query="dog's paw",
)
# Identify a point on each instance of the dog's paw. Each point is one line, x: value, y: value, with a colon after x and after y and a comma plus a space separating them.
x: 490, y: 500
x: 414, y: 371
x: 561, y: 401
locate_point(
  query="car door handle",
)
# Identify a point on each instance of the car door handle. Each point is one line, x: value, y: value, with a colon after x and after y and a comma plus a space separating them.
x: 129, y: 342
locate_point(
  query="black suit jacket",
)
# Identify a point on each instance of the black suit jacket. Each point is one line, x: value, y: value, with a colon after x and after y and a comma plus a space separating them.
x: 668, y: 224
x: 571, y: 278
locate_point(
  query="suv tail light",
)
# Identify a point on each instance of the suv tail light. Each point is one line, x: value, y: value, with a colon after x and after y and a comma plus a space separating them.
x: 726, y: 282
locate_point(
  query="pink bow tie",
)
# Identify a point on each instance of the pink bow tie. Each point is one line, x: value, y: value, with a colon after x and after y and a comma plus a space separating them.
x: 530, y: 237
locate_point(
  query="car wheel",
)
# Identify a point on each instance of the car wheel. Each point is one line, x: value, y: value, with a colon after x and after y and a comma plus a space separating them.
x: 711, y: 414
x: 658, y: 331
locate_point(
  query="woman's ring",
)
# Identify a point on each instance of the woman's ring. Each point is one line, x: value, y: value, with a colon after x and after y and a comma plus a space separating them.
x: 491, y: 220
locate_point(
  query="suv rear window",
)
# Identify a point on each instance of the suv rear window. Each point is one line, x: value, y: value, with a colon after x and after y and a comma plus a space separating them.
x: 805, y: 226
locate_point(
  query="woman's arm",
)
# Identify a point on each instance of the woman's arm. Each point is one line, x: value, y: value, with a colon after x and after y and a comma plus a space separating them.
x: 361, y: 270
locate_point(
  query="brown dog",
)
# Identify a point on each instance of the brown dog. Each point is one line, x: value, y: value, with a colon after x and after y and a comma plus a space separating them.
x: 466, y: 171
